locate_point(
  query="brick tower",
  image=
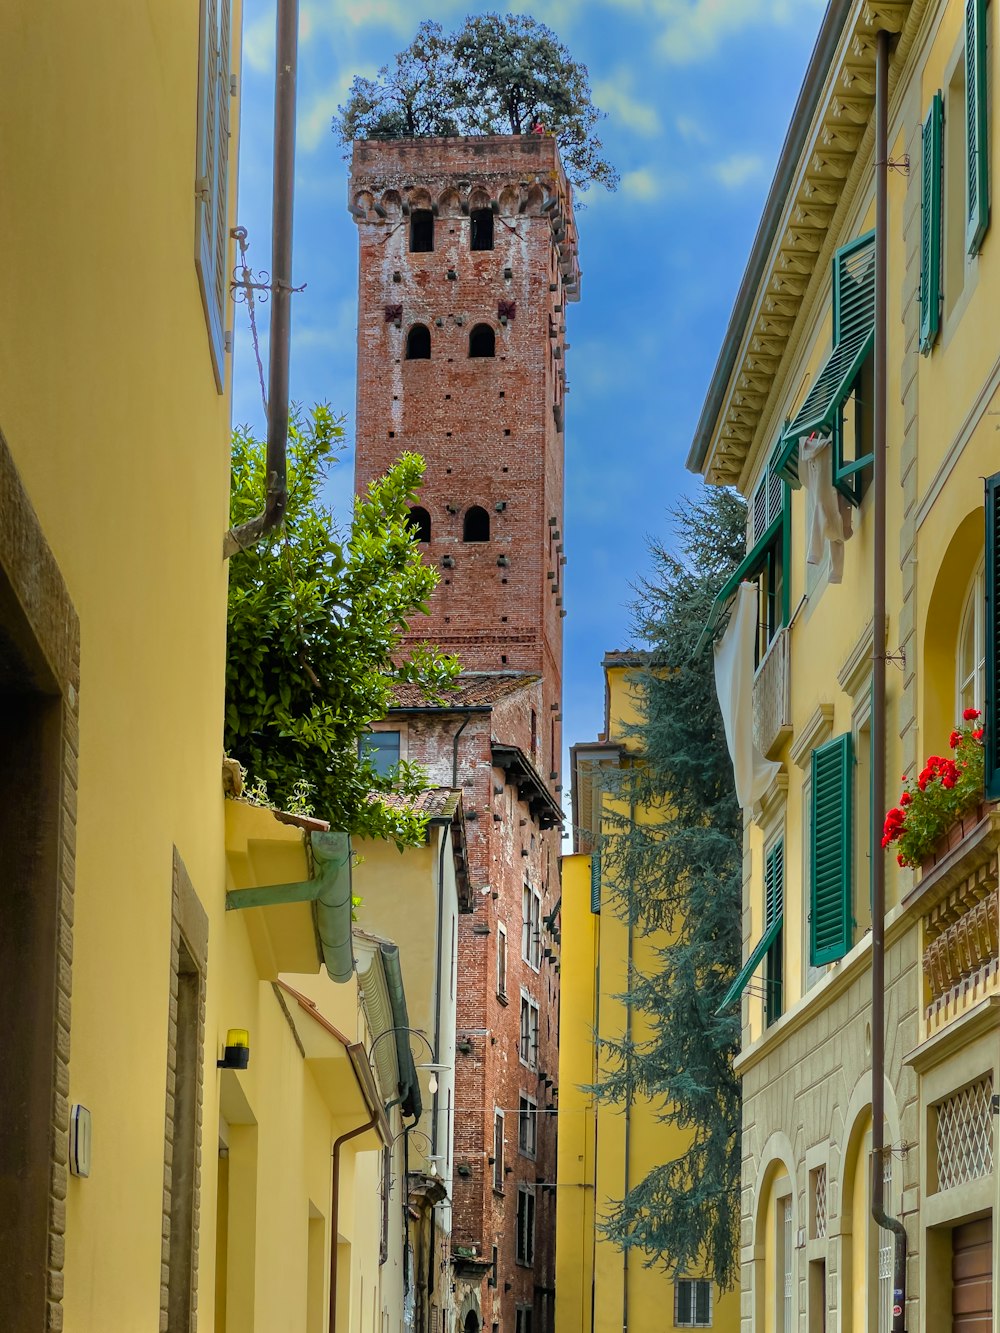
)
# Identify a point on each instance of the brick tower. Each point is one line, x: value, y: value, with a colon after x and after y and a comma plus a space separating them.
x: 468, y: 258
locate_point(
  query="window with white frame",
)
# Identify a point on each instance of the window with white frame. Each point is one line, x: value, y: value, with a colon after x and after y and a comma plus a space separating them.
x: 211, y: 190
x: 498, y: 1150
x: 527, y: 1125
x: 528, y: 1047
x: 501, y: 961
x: 525, y: 1229
x: 784, y: 1274
x: 692, y: 1302
x: 971, y: 657
x: 522, y: 1319
x: 531, y: 930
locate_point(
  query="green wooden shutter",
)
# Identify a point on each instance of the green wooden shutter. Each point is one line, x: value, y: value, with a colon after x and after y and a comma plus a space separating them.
x: 977, y: 146
x: 212, y: 174
x: 774, y: 907
x: 930, y: 225
x: 595, y: 881
x: 830, y: 916
x: 991, y: 738
x: 853, y: 339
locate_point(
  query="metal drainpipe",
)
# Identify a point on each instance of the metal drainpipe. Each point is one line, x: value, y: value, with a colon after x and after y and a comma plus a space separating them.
x: 283, y: 198
x: 335, y: 1212
x: 628, y: 1102
x: 878, y: 681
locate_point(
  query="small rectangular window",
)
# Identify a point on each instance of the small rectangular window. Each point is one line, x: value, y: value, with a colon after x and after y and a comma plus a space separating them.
x: 498, y: 1151
x: 527, y: 1126
x: 381, y: 749
x: 522, y: 1321
x: 531, y: 927
x: 481, y: 229
x: 421, y: 231
x: 692, y: 1302
x: 525, y: 1238
x: 501, y: 962
x: 528, y: 1045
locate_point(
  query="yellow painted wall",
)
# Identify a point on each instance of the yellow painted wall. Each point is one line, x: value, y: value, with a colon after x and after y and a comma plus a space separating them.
x: 594, y: 1283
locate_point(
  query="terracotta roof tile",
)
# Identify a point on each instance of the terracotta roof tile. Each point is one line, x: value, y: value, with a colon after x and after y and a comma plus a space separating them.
x: 476, y: 689
x: 434, y: 801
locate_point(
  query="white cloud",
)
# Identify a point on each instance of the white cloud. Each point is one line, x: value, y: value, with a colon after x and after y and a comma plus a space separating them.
x: 691, y: 130
x: 737, y: 169
x: 614, y: 95
x: 692, y: 30
x: 316, y: 115
x: 642, y: 184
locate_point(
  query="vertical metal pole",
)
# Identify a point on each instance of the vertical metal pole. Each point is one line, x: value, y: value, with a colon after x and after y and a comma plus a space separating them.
x: 878, y: 679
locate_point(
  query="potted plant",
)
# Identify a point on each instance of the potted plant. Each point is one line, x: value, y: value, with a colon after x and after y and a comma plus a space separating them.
x: 935, y: 805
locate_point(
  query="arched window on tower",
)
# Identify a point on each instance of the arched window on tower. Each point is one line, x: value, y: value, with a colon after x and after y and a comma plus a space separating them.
x: 420, y: 523
x: 481, y: 229
x: 418, y: 343
x: 482, y: 341
x: 476, y: 525
x: 421, y: 231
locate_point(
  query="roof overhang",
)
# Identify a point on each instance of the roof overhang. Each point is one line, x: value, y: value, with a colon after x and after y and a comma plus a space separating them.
x: 821, y: 169
x: 519, y: 770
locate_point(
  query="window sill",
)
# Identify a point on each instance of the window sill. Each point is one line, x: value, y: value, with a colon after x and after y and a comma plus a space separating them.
x: 502, y: 998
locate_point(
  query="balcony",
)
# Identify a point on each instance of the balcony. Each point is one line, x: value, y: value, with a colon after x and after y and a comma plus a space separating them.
x: 772, y: 724
x: 959, y: 903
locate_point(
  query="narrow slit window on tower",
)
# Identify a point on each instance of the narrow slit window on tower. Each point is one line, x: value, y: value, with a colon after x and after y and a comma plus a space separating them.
x: 418, y: 343
x: 476, y: 525
x: 481, y: 231
x: 421, y: 231
x: 482, y: 341
x: 420, y: 523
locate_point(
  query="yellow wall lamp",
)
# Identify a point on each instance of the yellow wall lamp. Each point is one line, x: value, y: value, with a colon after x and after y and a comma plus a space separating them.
x: 236, y: 1052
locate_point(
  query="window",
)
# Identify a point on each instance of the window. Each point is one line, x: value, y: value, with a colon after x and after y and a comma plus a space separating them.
x: 525, y: 1238
x: 527, y: 1125
x: 482, y: 341
x: 955, y: 187
x: 421, y: 231
x: 528, y: 1046
x: 381, y: 749
x: 185, y: 1057
x: 854, y: 436
x: 476, y: 525
x: 831, y: 924
x: 784, y: 1249
x: 522, y: 1319
x: 692, y: 1302
x: 531, y: 928
x: 774, y: 906
x: 853, y: 339
x: 595, y: 880
x: 418, y: 343
x: 420, y: 523
x: 498, y: 1151
x: 502, y: 962
x: 991, y: 692
x: 971, y: 658
x: 931, y: 209
x: 481, y: 229
x: 977, y: 138
x: 211, y: 248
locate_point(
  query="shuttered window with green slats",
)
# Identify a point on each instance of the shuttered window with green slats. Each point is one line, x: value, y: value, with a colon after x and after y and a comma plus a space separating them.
x: 931, y: 203
x: 774, y: 907
x: 991, y: 738
x: 595, y: 880
x: 211, y: 249
x: 853, y: 339
x: 831, y: 918
x: 977, y: 145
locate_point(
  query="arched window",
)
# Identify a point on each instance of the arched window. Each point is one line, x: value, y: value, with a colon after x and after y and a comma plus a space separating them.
x: 420, y: 523
x: 471, y: 1322
x: 970, y: 659
x: 482, y: 341
x: 421, y: 231
x: 476, y: 525
x: 418, y: 343
x: 481, y: 229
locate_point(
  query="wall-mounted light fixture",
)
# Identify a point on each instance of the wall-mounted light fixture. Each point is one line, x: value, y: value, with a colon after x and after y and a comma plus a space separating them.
x: 236, y: 1053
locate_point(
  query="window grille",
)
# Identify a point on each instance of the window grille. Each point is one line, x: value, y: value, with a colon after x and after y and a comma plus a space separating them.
x: 819, y: 1202
x: 965, y: 1135
x: 692, y: 1302
x: 886, y: 1251
x: 787, y: 1265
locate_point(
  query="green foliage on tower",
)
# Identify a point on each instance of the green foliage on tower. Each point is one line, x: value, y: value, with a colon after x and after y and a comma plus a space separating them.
x: 316, y: 626
x: 497, y: 74
x: 676, y: 867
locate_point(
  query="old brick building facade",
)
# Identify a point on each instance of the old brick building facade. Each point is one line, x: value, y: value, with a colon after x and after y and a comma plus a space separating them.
x: 468, y: 258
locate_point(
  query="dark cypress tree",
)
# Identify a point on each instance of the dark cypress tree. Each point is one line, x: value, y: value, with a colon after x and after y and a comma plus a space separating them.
x: 677, y: 869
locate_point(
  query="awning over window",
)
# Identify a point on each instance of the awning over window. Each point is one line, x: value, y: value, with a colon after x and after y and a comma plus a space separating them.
x: 752, y: 963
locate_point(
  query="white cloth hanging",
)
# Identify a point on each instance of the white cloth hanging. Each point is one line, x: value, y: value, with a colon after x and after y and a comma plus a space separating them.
x: 829, y: 525
x: 734, y: 668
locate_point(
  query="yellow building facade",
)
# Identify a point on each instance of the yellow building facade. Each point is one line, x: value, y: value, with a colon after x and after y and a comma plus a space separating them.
x: 790, y: 419
x: 142, y: 1185
x: 607, y: 1148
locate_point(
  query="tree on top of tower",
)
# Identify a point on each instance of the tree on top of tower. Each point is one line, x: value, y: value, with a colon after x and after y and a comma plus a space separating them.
x: 497, y: 74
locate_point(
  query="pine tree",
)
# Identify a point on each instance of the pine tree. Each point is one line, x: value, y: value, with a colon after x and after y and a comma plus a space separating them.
x: 678, y: 869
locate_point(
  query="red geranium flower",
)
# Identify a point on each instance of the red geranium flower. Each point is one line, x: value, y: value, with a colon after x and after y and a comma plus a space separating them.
x: 954, y: 739
x: 970, y: 713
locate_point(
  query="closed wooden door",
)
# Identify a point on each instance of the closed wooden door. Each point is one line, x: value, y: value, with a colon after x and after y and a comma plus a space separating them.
x: 972, y: 1277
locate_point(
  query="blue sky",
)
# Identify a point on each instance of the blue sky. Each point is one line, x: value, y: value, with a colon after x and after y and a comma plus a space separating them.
x: 698, y: 95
